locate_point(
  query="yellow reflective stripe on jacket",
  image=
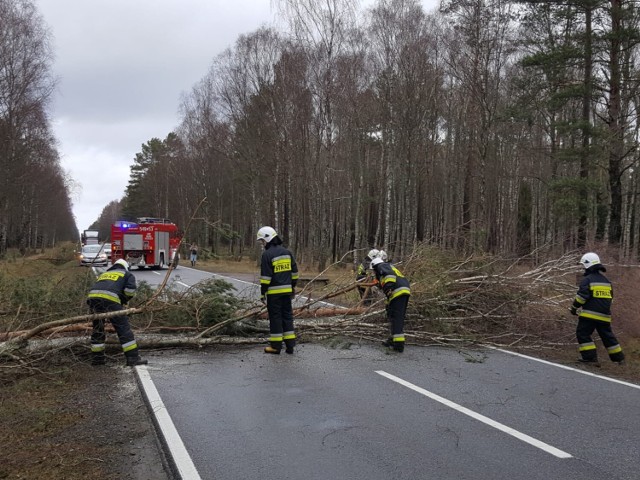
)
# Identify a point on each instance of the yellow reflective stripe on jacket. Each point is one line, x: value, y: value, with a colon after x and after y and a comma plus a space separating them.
x: 104, y: 294
x: 595, y: 315
x: 580, y: 300
x: 399, y: 292
x: 280, y: 289
x: 387, y: 279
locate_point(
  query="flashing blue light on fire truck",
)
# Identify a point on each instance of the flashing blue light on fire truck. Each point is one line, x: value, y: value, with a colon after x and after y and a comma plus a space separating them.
x: 125, y: 225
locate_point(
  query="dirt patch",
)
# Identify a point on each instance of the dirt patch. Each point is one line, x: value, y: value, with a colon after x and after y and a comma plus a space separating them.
x: 67, y: 419
x: 626, y: 286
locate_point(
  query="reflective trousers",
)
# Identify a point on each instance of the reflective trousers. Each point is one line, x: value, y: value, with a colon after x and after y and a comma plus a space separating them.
x: 586, y: 345
x: 120, y: 324
x: 396, y: 311
x: 280, y: 321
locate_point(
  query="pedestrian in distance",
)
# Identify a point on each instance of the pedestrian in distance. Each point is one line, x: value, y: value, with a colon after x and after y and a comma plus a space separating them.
x: 278, y: 278
x: 193, y: 250
x: 113, y: 289
x: 396, y: 288
x: 593, y: 301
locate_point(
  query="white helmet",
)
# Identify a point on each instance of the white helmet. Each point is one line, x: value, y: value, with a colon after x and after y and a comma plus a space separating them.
x: 267, y: 234
x: 383, y: 255
x: 373, y: 253
x: 589, y: 259
x: 123, y: 262
x: 376, y: 261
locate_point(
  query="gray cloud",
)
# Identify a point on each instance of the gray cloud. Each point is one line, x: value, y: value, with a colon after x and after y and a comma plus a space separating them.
x: 122, y: 66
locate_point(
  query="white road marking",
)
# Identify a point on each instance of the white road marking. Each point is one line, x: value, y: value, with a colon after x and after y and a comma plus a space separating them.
x: 181, y: 459
x: 492, y: 423
x: 566, y: 367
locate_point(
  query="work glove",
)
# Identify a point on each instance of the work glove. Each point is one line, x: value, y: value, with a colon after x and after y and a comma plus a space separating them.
x: 573, y: 310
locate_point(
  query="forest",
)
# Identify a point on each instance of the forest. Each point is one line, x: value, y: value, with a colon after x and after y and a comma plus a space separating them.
x: 35, y: 204
x: 484, y: 126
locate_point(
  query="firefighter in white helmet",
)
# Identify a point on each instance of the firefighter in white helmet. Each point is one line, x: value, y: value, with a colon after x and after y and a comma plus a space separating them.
x: 278, y: 278
x: 396, y: 288
x: 594, y: 298
x: 113, y: 289
x: 362, y: 275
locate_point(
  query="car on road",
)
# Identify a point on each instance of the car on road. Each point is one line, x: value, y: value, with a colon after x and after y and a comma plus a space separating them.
x: 93, y: 255
x: 107, y: 250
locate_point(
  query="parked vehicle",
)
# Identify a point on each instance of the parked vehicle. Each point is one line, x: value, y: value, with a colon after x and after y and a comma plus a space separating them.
x: 90, y: 237
x: 107, y: 250
x: 93, y: 255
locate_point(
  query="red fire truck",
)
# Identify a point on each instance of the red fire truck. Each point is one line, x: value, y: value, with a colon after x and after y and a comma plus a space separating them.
x: 149, y: 242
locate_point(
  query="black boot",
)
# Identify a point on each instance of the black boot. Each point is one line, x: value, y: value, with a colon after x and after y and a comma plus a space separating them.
x: 289, y: 344
x: 135, y: 361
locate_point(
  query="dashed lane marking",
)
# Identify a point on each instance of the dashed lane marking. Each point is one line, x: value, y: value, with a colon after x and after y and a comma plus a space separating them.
x: 566, y: 367
x: 486, y: 420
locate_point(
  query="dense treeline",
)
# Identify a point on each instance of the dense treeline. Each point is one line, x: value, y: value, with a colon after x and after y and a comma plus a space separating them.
x: 488, y: 125
x: 35, y: 209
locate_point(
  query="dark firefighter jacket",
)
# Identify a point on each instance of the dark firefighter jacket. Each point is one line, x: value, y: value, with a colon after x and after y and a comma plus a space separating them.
x: 393, y: 283
x: 278, y: 271
x: 362, y: 269
x: 116, y: 284
x: 595, y: 295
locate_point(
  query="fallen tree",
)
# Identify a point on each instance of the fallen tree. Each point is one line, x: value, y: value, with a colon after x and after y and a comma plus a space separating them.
x: 472, y: 301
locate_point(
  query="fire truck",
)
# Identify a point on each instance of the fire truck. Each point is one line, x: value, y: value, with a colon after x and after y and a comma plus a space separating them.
x: 149, y: 242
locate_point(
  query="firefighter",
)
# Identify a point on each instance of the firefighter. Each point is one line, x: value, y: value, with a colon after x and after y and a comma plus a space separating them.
x: 594, y: 298
x: 362, y: 274
x: 396, y: 288
x: 114, y: 288
x: 278, y: 278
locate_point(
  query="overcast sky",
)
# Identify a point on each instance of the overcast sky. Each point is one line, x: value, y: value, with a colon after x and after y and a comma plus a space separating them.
x: 122, y: 66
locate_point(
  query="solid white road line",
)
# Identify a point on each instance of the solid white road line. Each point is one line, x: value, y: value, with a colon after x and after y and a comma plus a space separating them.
x: 566, y: 367
x: 177, y: 450
x: 492, y: 423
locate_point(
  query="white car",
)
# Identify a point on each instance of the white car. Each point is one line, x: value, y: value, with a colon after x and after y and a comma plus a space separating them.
x: 107, y: 250
x: 93, y: 255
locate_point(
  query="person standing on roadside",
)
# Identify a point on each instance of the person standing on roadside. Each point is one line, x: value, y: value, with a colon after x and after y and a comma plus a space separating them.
x: 278, y: 278
x: 594, y: 298
x: 396, y: 288
x: 113, y: 289
x: 193, y: 250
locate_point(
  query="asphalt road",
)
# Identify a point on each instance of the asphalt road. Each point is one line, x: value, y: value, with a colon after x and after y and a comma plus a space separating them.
x: 361, y: 413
